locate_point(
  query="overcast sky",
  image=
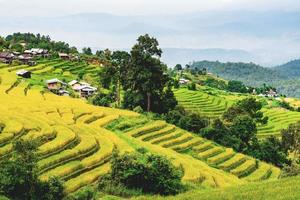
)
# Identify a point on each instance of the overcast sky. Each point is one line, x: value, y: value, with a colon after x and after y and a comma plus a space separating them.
x: 272, y: 36
x: 136, y: 7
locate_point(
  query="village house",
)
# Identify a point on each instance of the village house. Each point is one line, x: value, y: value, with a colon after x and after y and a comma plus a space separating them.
x: 271, y: 94
x: 26, y: 59
x: 86, y: 90
x: 83, y: 88
x: 75, y: 85
x: 55, y: 84
x: 183, y: 81
x: 6, y: 57
x: 64, y: 56
x: 36, y: 52
x: 24, y: 73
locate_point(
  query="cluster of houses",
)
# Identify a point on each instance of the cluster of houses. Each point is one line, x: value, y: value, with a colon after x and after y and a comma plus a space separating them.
x: 270, y: 94
x: 59, y: 87
x: 183, y: 81
x: 27, y: 57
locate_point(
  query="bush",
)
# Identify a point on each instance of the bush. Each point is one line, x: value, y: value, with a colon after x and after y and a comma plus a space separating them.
x: 138, y: 109
x: 133, y: 173
x: 291, y: 170
x: 188, y: 121
x: 102, y: 99
x: 191, y: 86
x: 86, y: 193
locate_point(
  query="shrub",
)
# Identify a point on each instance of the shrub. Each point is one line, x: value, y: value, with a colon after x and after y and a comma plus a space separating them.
x: 192, y: 86
x: 86, y: 193
x: 138, y: 109
x: 148, y: 173
x: 290, y: 170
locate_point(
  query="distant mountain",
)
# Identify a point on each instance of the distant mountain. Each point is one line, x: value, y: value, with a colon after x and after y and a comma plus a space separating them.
x: 255, y: 75
x: 173, y: 56
x: 267, y: 38
x: 290, y: 69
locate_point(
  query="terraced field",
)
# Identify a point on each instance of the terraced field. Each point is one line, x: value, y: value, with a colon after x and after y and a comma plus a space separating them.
x: 206, y: 104
x: 214, y: 105
x: 75, y: 143
x: 278, y: 119
x: 159, y: 134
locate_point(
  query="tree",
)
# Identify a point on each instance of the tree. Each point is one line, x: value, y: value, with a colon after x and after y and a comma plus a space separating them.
x: 291, y: 140
x: 272, y: 151
x: 120, y: 62
x: 147, y: 172
x: 244, y: 128
x: 145, y: 73
x: 178, y: 67
x: 19, y: 177
x: 87, y: 51
x: 249, y: 106
x: 236, y: 86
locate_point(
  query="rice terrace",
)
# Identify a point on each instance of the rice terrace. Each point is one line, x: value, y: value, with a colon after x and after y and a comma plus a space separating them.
x: 140, y: 118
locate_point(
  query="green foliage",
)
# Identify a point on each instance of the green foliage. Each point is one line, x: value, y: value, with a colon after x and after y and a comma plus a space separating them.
x: 148, y: 173
x: 145, y: 73
x: 286, y: 81
x: 291, y: 140
x: 19, y: 178
x: 178, y: 67
x: 192, y: 86
x: 272, y: 151
x: 215, y: 83
x: 37, y: 41
x: 236, y: 86
x: 189, y: 121
x: 102, y: 99
x: 291, y: 170
x: 86, y: 193
x: 87, y: 51
x: 249, y: 106
x: 286, y: 105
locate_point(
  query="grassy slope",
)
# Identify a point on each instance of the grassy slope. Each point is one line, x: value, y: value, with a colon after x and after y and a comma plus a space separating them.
x: 212, y: 103
x: 72, y: 146
x: 72, y: 129
x: 284, y: 189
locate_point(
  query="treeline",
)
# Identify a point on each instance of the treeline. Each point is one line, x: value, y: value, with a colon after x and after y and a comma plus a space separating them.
x: 255, y: 75
x: 22, y: 41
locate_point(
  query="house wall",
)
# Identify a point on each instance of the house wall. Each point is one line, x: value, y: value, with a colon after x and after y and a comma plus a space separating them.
x: 53, y: 86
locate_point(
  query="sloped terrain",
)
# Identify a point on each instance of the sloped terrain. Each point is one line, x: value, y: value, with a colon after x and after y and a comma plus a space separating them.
x: 75, y: 145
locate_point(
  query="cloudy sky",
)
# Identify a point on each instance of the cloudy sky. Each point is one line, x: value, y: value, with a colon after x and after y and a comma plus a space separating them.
x: 268, y: 31
x: 137, y: 7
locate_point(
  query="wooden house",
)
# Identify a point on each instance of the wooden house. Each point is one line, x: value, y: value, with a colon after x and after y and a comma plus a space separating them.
x: 6, y: 57
x: 86, y: 90
x: 64, y: 56
x: 75, y: 85
x: 24, y: 73
x: 55, y: 84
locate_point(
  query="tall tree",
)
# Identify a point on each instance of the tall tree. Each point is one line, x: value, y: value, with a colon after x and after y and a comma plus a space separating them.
x: 87, y: 51
x: 145, y: 73
x: 120, y: 61
x: 291, y: 140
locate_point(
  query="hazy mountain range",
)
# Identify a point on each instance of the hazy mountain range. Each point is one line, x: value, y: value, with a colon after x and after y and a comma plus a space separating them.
x: 286, y: 77
x: 268, y: 38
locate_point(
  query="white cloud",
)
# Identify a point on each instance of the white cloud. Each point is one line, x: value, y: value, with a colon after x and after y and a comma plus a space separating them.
x: 135, y: 7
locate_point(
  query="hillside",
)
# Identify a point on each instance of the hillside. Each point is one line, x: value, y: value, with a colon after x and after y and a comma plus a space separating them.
x: 256, y: 75
x: 290, y: 69
x: 270, y: 190
x: 212, y: 103
x: 76, y: 146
